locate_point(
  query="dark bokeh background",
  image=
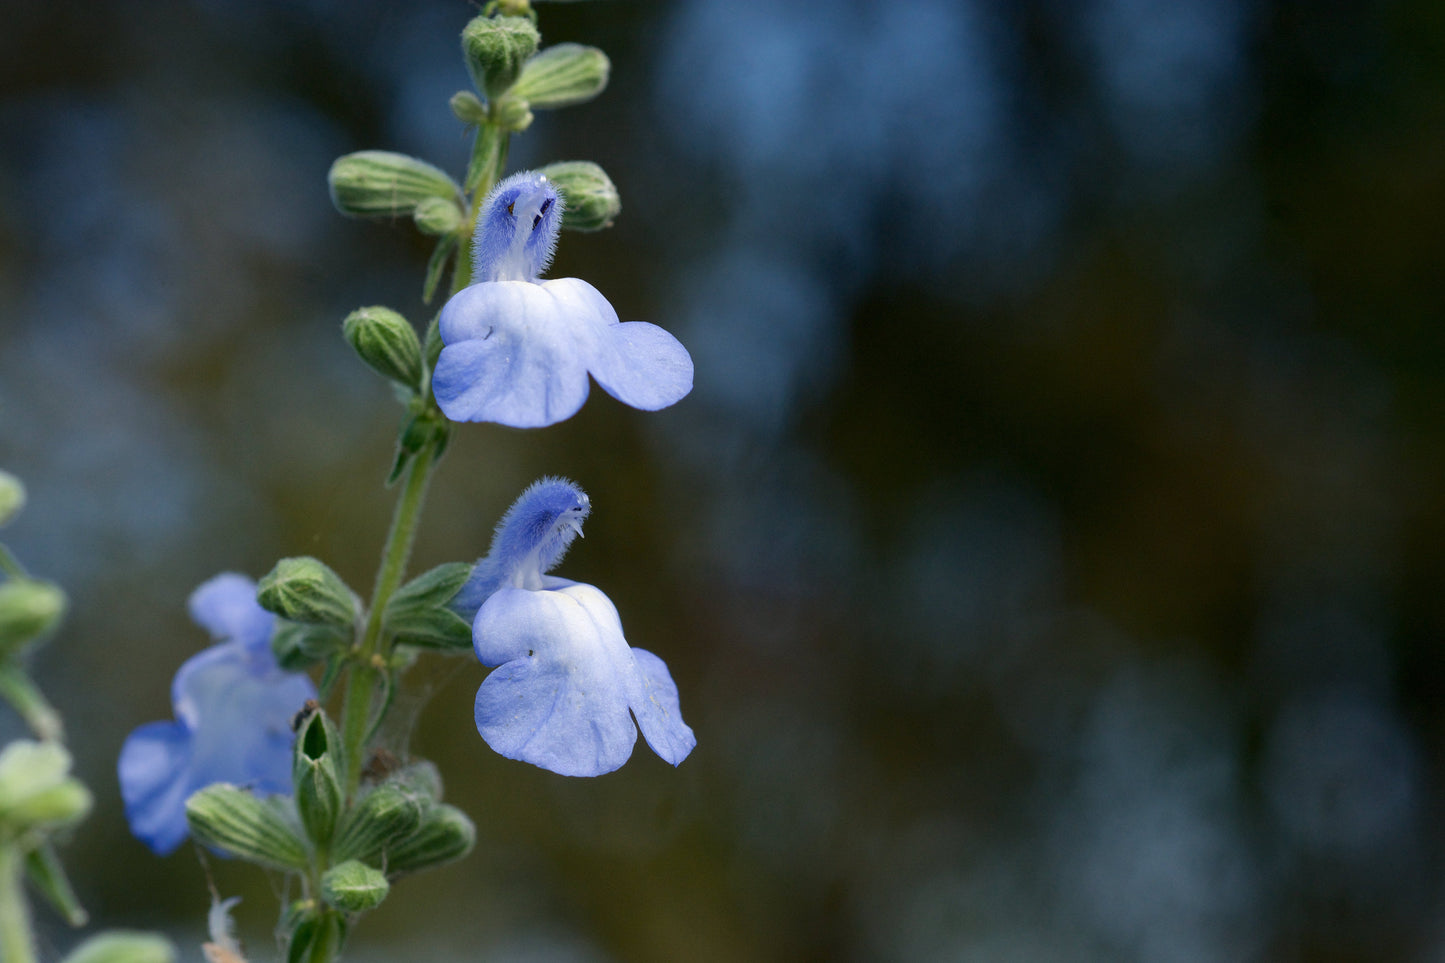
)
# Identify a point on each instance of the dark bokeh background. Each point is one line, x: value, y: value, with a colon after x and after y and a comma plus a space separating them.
x: 1049, y: 554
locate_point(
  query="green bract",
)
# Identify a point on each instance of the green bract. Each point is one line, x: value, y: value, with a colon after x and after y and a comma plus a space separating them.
x: 385, y: 340
x: 592, y: 202
x: 562, y: 75
x: 381, y: 183
x: 304, y: 589
x: 417, y: 613
x: 496, y: 48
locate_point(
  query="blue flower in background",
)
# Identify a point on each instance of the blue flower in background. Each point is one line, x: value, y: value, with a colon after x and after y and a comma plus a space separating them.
x: 518, y: 350
x: 233, y: 708
x: 567, y: 684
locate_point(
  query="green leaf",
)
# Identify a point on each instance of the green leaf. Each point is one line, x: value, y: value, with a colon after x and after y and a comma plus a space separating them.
x: 417, y: 613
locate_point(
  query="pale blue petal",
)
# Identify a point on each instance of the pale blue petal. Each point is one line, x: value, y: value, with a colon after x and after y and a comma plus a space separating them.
x: 643, y: 366
x: 561, y: 702
x: 154, y: 784
x: 226, y: 607
x: 561, y: 698
x: 658, y: 712
x: 537, y: 711
x: 514, y: 355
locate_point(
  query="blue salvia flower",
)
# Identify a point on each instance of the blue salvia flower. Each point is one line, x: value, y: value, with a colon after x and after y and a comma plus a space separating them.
x: 233, y: 708
x: 567, y: 684
x: 518, y: 350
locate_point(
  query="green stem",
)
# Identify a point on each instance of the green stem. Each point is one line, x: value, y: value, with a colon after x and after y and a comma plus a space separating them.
x: 25, y: 697
x: 366, y: 674
x: 16, y: 943
x: 10, y: 565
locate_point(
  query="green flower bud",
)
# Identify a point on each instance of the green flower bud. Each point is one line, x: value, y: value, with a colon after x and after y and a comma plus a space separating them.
x: 12, y: 496
x: 299, y: 645
x: 417, y: 615
x: 354, y: 887
x: 317, y: 933
x: 382, y: 183
x: 315, y: 777
x: 591, y: 200
x: 436, y: 216
x: 495, y: 49
x: 122, y: 946
x: 378, y: 823
x: 562, y: 75
x: 445, y: 835
x: 28, y: 610
x: 36, y: 790
x: 512, y: 114
x: 385, y: 340
x: 468, y: 109
x: 233, y: 820
x: 305, y: 590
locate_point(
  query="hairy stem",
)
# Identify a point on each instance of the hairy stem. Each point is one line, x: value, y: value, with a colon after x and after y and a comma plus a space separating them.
x: 367, y: 674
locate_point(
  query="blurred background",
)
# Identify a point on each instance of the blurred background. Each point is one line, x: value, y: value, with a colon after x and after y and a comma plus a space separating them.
x: 1049, y: 555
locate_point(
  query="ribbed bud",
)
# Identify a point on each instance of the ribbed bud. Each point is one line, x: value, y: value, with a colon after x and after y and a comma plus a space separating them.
x: 385, y: 340
x: 12, y: 496
x: 233, y: 820
x: 562, y: 75
x: 591, y: 199
x: 121, y: 946
x: 304, y: 589
x: 28, y: 610
x: 468, y: 109
x: 354, y: 887
x: 437, y: 216
x: 445, y: 835
x: 300, y: 645
x: 417, y: 615
x: 36, y: 790
x: 496, y: 48
x: 382, y: 183
x: 315, y: 776
x: 378, y: 823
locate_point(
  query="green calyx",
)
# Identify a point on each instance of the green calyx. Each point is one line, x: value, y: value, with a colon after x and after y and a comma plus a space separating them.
x: 563, y: 75
x: 304, y: 589
x: 354, y: 887
x: 37, y: 790
x: 260, y: 831
x: 591, y: 199
x: 28, y: 609
x: 317, y: 776
x: 384, y: 339
x: 496, y: 48
x: 121, y: 946
x: 382, y: 183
